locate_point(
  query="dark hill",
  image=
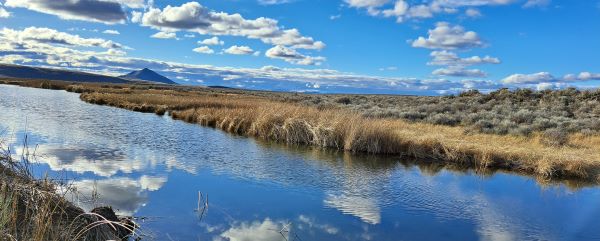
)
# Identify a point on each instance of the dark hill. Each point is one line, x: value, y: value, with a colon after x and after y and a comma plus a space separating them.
x: 148, y: 75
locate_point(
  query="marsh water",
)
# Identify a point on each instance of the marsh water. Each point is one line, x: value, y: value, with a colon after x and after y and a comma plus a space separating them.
x: 153, y: 167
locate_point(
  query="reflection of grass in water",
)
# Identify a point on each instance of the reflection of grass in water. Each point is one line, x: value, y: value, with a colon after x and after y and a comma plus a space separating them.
x: 32, y: 210
x: 429, y: 167
x: 250, y: 114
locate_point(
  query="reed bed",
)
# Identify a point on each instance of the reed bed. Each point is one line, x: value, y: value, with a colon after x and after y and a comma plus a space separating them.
x: 350, y: 131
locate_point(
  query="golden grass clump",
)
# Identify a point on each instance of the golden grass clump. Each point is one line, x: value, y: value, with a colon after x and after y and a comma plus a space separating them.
x: 33, y: 210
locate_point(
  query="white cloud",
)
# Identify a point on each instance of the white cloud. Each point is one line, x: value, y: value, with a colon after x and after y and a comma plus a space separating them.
x: 266, y: 230
x: 529, y: 78
x: 459, y: 72
x: 109, y: 12
x: 292, y: 56
x: 3, y: 12
x: 545, y: 80
x: 136, y: 17
x: 536, y: 3
x: 239, y: 50
x: 335, y: 17
x: 583, y: 76
x: 189, y: 35
x: 366, y: 3
x: 212, y: 41
x: 547, y: 86
x: 446, y: 36
x: 273, y: 2
x: 456, y: 66
x: 403, y: 10
x: 41, y: 52
x: 125, y: 195
x: 129, y: 3
x: 110, y: 31
x: 47, y: 35
x: 164, y: 35
x: 194, y: 17
x: 389, y: 68
x: 473, y: 13
x: 312, y: 223
x: 400, y: 10
x: 362, y: 207
x: 204, y: 50
x: 451, y: 59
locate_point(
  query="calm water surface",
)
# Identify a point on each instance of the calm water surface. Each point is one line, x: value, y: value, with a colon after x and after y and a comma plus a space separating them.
x: 154, y: 167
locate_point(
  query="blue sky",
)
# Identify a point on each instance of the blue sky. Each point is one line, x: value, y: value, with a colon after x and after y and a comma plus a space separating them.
x: 357, y: 46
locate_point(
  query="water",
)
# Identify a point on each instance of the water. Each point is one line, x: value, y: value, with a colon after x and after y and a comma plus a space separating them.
x: 154, y: 167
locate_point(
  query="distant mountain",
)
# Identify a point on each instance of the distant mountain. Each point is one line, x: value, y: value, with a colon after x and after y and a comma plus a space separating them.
x: 26, y: 72
x: 148, y: 75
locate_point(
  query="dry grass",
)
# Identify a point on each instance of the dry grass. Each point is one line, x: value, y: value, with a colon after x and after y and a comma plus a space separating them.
x: 281, y: 117
x: 346, y: 130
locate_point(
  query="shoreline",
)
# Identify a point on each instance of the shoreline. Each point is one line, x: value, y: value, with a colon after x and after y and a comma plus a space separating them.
x: 340, y: 129
x: 32, y: 209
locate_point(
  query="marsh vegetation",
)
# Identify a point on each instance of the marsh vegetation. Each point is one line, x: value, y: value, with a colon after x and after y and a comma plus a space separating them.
x: 549, y: 134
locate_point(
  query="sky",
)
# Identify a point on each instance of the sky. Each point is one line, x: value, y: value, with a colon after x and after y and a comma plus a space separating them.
x: 423, y: 47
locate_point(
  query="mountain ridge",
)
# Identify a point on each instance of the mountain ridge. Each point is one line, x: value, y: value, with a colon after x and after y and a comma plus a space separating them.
x: 28, y: 72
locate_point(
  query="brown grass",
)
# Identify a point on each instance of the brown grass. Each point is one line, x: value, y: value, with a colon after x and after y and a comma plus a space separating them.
x: 349, y: 131
x: 255, y: 114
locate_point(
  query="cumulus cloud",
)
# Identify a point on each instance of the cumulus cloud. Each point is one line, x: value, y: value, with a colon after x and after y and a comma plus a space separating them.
x: 450, y: 58
x: 273, y: 2
x: 402, y: 10
x: 194, y: 17
x: 164, y: 35
x: 239, y: 50
x: 292, y: 56
x: 362, y: 207
x: 3, y: 12
x: 47, y: 35
x: 545, y: 80
x: 459, y: 72
x: 130, y: 3
x: 372, y: 6
x: 456, y: 66
x: 35, y: 52
x: 541, y: 77
x: 204, y: 50
x: 473, y: 13
x: 583, y: 76
x: 536, y: 3
x: 446, y: 36
x: 109, y: 12
x: 266, y: 230
x: 110, y: 31
x: 212, y: 41
x: 125, y: 195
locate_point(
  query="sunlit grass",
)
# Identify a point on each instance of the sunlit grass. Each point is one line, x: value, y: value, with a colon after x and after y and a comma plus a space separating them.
x: 350, y: 131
